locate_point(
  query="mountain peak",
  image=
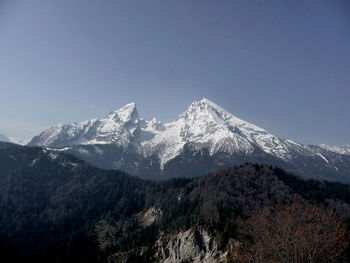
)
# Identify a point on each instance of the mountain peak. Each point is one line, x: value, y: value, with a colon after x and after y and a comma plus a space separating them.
x: 206, y: 109
x: 205, y: 101
x: 125, y: 113
x: 203, y: 124
x: 131, y: 105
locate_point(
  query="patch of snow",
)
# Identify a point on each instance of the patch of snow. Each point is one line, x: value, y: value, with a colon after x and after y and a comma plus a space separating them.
x: 32, y: 163
x: 322, y: 157
x: 53, y: 156
x: 293, y: 142
x: 59, y: 149
x: 337, y: 149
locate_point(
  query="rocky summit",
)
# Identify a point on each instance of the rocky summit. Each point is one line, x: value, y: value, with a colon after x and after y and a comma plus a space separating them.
x: 203, y: 138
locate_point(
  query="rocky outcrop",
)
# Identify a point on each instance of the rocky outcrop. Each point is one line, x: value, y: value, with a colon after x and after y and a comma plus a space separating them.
x: 193, y: 245
x: 149, y: 216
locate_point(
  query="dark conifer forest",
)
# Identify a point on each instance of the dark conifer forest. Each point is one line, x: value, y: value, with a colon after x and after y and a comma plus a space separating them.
x: 57, y: 208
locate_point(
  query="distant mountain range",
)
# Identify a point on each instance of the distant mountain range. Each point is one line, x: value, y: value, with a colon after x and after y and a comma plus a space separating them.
x: 202, y: 139
x: 4, y: 138
x: 338, y: 149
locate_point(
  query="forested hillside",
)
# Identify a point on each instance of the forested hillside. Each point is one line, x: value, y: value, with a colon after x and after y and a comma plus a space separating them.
x: 57, y: 208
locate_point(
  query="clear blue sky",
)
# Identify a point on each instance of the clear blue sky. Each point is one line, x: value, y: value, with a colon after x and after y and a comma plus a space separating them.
x: 283, y: 65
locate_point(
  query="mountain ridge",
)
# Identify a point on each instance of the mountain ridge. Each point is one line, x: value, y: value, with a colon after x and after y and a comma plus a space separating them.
x: 203, y: 122
x: 204, y: 129
x: 338, y: 149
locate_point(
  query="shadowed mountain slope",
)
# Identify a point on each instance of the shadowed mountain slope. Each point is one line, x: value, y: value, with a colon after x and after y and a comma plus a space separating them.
x: 57, y: 208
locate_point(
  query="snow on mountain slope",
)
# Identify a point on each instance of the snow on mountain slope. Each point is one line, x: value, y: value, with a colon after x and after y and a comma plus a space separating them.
x: 118, y: 127
x: 206, y: 125
x: 3, y: 138
x: 18, y: 141
x: 337, y: 149
x: 203, y: 125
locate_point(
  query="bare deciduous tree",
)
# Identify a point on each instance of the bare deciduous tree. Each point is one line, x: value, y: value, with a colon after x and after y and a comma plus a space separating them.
x: 293, y: 233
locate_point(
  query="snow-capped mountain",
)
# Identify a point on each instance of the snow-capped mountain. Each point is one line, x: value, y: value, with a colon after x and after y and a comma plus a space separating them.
x: 204, y: 124
x: 15, y: 140
x: 19, y: 141
x: 338, y: 149
x: 205, y: 130
x: 118, y: 127
x: 3, y: 138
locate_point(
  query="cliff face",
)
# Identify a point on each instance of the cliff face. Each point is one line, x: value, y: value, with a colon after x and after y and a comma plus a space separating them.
x: 193, y: 245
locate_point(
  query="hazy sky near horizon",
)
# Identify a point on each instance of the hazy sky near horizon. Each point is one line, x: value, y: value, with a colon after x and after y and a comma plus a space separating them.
x: 282, y: 65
